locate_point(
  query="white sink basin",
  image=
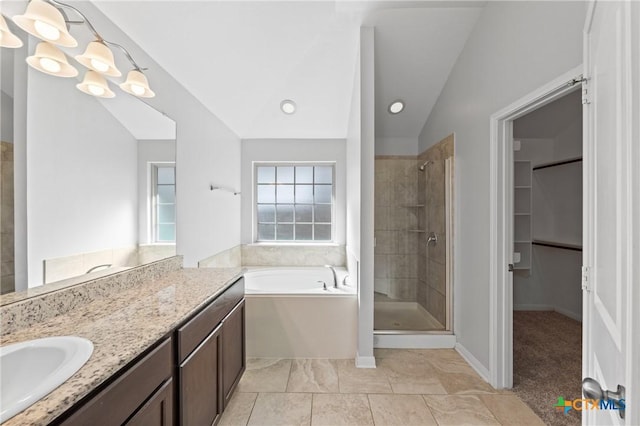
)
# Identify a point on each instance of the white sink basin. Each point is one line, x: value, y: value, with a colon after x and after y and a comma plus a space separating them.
x: 30, y: 370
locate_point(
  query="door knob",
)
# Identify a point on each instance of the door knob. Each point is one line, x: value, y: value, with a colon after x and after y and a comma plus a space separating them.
x: 592, y: 389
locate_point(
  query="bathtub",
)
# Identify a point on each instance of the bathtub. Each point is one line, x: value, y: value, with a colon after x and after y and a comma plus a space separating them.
x: 290, y: 314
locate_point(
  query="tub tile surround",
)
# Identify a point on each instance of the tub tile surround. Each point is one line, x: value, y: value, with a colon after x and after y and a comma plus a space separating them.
x: 384, y: 396
x: 140, y: 307
x: 277, y: 255
x: 62, y: 268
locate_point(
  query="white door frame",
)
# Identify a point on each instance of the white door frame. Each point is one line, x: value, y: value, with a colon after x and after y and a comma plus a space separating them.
x: 501, y: 212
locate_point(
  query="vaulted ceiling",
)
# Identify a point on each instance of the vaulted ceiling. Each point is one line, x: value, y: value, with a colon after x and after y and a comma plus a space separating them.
x: 242, y: 58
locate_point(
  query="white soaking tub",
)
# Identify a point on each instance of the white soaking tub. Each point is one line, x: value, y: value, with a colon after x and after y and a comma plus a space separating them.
x: 290, y: 314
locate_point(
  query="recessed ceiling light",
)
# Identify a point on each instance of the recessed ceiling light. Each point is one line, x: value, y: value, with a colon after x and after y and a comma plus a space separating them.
x: 288, y: 106
x: 396, y: 106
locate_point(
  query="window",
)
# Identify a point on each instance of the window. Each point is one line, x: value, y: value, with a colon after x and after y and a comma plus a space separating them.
x: 164, y: 206
x: 294, y: 202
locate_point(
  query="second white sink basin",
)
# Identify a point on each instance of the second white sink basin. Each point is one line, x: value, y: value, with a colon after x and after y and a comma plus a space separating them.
x: 30, y: 370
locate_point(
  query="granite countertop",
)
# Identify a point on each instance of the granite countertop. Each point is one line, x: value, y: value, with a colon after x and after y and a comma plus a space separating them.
x: 121, y: 327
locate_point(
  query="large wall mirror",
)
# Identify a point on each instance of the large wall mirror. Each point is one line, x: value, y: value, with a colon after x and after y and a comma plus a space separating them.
x: 88, y: 184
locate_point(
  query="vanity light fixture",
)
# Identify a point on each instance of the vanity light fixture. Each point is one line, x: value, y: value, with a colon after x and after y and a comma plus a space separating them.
x: 288, y: 106
x: 43, y: 20
x: 396, y: 106
x: 96, y: 85
x: 137, y: 85
x: 46, y: 20
x: 98, y: 57
x: 50, y: 60
x: 7, y: 38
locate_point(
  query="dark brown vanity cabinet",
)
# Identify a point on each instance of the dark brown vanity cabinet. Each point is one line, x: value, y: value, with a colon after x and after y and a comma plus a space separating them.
x: 233, y: 351
x: 211, y: 354
x: 142, y: 392
x: 187, y: 379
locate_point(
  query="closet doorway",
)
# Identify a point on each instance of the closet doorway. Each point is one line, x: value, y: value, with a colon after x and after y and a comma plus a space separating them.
x: 547, y: 257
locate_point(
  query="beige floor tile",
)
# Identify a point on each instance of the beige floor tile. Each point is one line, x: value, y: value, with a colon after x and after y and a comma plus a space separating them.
x: 400, y: 410
x: 410, y: 373
x: 313, y: 375
x: 361, y: 380
x: 510, y: 410
x: 448, y: 361
x: 239, y: 409
x: 281, y: 409
x: 265, y: 375
x: 465, y: 383
x: 459, y: 410
x: 337, y: 409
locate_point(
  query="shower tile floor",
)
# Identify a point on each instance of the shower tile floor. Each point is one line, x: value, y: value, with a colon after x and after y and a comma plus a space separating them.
x: 408, y: 387
x: 390, y: 315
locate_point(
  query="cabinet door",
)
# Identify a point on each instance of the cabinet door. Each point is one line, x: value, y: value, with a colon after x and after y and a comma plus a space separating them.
x: 233, y: 350
x: 158, y: 410
x: 199, y: 378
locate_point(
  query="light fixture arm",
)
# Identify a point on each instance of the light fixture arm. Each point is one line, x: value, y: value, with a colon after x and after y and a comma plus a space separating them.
x: 95, y: 32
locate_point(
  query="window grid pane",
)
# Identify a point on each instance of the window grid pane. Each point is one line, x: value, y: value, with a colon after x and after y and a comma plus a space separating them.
x: 301, y: 198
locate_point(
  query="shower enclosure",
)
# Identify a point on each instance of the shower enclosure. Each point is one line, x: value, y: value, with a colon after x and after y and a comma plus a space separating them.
x: 413, y: 232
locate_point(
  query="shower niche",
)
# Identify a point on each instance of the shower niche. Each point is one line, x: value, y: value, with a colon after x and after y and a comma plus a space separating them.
x: 412, y: 274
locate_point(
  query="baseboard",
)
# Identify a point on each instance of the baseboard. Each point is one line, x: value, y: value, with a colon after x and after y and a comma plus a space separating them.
x: 565, y: 312
x: 527, y: 307
x: 365, y: 361
x: 414, y: 341
x: 569, y: 314
x: 473, y: 362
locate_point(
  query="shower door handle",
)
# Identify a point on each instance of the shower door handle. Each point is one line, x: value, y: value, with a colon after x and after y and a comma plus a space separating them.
x: 510, y: 267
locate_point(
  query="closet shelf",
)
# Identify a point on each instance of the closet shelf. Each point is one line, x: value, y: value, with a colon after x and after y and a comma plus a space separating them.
x: 416, y: 230
x: 557, y: 163
x: 412, y: 205
x: 522, y: 214
x: 556, y: 244
x: 522, y: 187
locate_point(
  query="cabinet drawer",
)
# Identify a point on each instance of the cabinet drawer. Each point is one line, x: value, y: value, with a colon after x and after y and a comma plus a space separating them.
x: 196, y: 329
x: 115, y: 404
x: 158, y: 410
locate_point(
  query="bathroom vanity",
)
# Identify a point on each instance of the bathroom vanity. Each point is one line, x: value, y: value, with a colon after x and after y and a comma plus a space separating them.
x: 170, y: 351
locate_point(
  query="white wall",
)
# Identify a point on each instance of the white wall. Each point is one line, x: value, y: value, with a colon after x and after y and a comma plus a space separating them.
x: 353, y: 179
x: 150, y: 151
x: 81, y: 174
x: 515, y: 48
x: 367, y: 163
x: 396, y: 146
x: 285, y: 150
x: 207, y: 152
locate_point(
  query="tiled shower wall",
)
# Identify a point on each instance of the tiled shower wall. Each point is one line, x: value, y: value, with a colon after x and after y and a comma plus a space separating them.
x: 396, y: 215
x: 431, y: 292
x: 7, y: 274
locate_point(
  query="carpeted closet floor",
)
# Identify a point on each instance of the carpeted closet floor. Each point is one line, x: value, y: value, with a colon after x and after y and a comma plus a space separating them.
x: 547, y: 363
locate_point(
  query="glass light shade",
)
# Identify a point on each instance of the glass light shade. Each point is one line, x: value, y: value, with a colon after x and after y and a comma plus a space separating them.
x: 137, y: 85
x: 98, y: 57
x: 7, y: 38
x: 46, y: 22
x: 95, y: 84
x: 50, y: 60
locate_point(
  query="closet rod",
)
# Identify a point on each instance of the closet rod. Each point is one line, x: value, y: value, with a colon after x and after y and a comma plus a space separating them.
x: 556, y: 245
x: 557, y: 163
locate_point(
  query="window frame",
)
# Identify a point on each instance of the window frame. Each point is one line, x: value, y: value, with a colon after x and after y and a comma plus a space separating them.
x: 255, y: 185
x: 154, y: 234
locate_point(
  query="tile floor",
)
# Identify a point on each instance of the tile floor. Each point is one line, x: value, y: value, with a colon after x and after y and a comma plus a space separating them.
x: 409, y: 387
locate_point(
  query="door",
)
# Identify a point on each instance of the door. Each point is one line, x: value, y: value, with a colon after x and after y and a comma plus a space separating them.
x: 610, y: 207
x: 233, y: 351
